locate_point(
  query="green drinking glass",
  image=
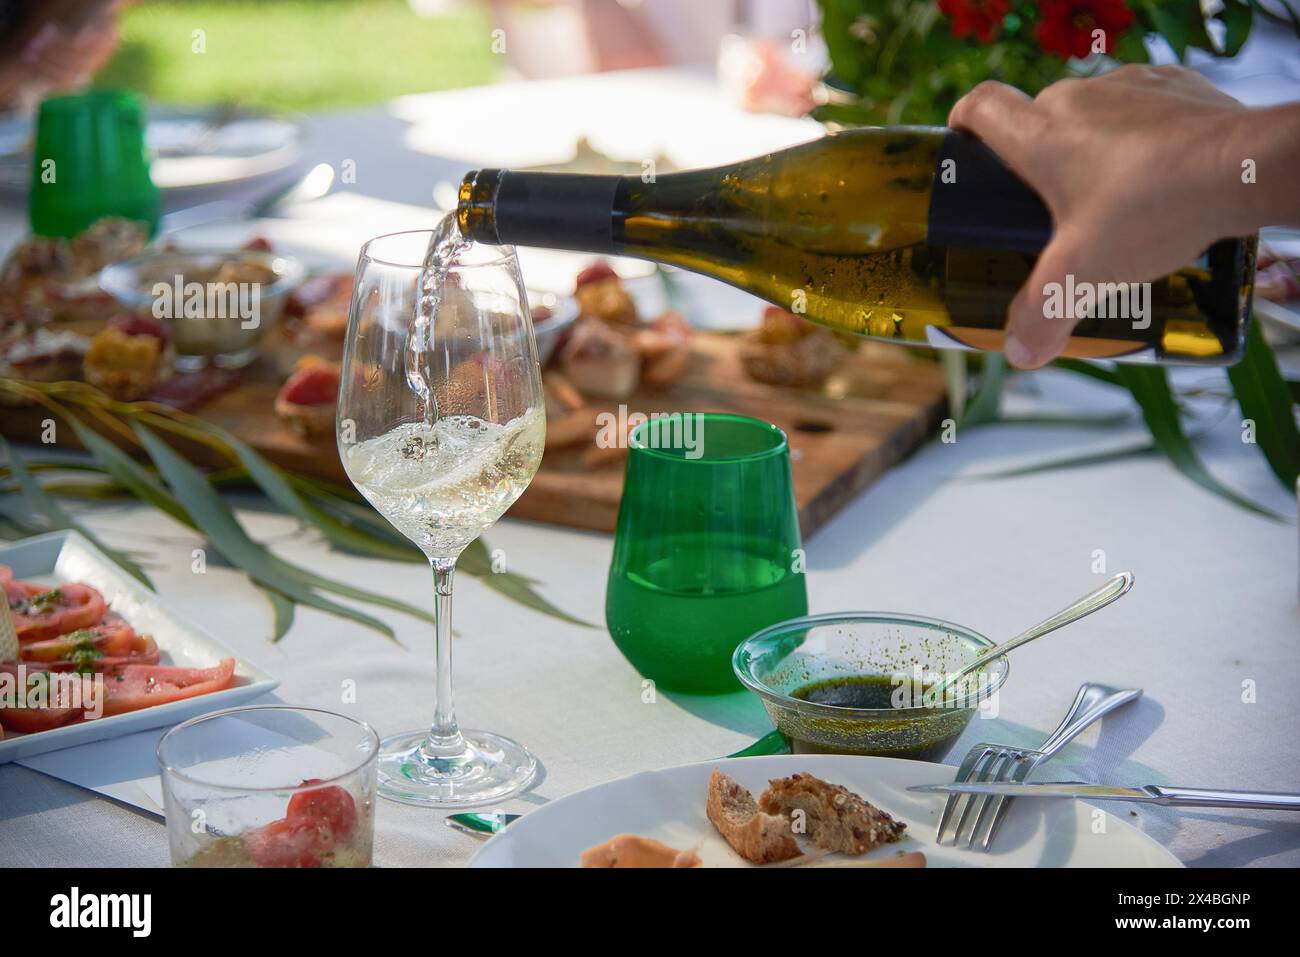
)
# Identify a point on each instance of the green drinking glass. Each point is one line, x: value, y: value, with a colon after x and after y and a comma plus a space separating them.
x: 89, y: 162
x: 707, y: 549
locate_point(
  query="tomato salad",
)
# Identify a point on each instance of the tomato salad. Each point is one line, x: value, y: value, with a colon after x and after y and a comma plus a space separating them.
x: 70, y: 629
x: 321, y: 827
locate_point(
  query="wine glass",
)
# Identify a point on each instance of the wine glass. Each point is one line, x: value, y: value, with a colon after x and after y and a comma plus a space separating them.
x: 441, y: 424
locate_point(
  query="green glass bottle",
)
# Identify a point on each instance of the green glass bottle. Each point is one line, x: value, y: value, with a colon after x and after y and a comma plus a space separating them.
x: 917, y: 235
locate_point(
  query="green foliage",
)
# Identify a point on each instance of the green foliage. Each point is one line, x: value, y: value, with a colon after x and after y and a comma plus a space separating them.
x: 1266, y: 400
x: 1150, y: 387
x: 193, y: 498
x: 901, y: 64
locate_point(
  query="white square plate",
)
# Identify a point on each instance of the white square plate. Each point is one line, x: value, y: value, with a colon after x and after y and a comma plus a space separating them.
x: 60, y: 557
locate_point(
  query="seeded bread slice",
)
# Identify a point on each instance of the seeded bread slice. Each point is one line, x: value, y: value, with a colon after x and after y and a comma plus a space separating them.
x: 757, y: 837
x: 834, y: 817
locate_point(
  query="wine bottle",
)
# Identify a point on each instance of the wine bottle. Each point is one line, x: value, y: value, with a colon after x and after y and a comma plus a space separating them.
x: 918, y: 235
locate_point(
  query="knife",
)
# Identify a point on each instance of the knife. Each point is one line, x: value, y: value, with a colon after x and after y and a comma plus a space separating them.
x: 1146, y: 794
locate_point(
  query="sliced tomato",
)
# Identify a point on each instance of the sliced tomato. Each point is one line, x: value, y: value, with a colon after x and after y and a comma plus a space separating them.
x: 143, y: 650
x: 38, y: 615
x: 27, y: 720
x: 314, y: 384
x: 134, y: 687
x: 289, y: 842
x: 331, y: 807
x: 112, y: 637
x: 31, y: 720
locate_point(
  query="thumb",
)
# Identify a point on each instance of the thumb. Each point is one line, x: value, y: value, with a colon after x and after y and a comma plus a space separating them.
x: 1035, y: 333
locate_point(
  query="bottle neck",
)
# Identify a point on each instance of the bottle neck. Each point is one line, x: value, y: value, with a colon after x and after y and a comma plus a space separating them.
x: 553, y: 210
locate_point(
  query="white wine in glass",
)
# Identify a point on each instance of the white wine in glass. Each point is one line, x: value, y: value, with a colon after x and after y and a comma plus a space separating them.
x: 441, y: 425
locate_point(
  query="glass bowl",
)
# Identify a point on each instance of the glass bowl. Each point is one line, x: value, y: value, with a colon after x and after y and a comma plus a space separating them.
x: 854, y: 683
x: 217, y: 302
x: 270, y: 786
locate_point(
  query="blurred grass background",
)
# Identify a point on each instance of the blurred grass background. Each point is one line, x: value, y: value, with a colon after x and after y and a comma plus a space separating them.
x: 297, y: 54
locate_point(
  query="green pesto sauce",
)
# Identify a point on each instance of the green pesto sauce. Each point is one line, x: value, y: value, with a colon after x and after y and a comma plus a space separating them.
x: 921, y: 735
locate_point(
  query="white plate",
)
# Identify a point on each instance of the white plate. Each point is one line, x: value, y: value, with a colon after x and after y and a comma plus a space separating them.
x: 67, y: 557
x: 669, y: 805
x: 189, y: 152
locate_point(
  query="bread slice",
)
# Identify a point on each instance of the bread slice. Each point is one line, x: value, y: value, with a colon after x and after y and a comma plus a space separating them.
x: 757, y: 837
x: 834, y: 817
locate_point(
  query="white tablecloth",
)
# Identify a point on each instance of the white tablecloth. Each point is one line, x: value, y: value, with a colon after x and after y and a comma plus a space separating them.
x: 1215, y: 609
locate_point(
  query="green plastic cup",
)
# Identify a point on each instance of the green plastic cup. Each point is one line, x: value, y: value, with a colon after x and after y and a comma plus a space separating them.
x: 89, y: 162
x: 707, y: 549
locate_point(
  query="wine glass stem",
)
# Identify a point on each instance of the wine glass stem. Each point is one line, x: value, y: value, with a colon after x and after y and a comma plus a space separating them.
x: 444, y: 739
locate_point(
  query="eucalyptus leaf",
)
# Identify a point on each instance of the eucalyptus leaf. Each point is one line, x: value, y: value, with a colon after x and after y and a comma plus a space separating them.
x: 1171, y: 20
x: 368, y: 520
x: 1150, y: 386
x: 10, y: 529
x: 351, y: 591
x: 19, y: 517
x: 774, y: 742
x: 276, y: 487
x: 107, y: 491
x: 1265, y: 398
x: 518, y: 589
x: 129, y: 473
x: 1237, y: 18
x: 1104, y: 420
x: 215, y: 519
x: 336, y: 511
x: 1101, y: 457
x: 56, y: 465
x: 986, y: 405
x: 476, y: 560
x: 56, y: 518
x: 956, y: 379
x: 282, y: 607
x: 270, y: 480
x: 1091, y: 370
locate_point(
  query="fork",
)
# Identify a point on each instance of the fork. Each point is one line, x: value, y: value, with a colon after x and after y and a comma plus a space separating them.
x: 997, y: 762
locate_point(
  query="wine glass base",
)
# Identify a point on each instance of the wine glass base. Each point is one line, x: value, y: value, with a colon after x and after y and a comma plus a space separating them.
x: 490, y: 769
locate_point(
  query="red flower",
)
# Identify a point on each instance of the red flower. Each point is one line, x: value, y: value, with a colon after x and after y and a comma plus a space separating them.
x: 983, y: 18
x: 1067, y: 26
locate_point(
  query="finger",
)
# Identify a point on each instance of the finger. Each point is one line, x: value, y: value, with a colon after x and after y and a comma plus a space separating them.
x: 1002, y: 117
x: 1035, y: 334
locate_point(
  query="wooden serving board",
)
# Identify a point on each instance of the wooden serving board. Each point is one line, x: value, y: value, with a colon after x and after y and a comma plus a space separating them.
x: 876, y: 409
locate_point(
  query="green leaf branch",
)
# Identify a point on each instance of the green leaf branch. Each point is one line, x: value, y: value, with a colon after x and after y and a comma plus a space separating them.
x: 162, y: 477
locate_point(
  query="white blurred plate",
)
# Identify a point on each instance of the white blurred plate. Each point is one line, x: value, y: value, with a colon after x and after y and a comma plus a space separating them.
x: 191, y: 148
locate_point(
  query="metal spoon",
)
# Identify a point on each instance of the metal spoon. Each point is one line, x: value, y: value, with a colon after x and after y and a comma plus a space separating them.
x: 1095, y: 599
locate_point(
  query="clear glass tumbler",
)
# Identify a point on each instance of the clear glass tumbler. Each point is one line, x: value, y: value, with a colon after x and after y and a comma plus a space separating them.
x: 270, y: 786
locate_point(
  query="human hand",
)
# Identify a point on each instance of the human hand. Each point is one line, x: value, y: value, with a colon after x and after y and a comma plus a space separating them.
x: 1135, y: 168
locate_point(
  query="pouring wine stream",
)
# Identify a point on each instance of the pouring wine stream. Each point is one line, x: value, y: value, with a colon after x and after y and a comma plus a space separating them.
x: 1096, y: 599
